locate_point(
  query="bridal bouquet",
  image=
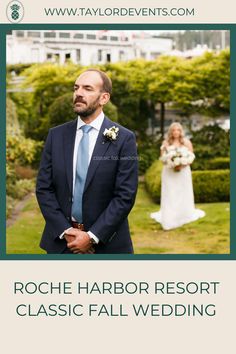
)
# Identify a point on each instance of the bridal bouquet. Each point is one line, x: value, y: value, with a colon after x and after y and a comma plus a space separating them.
x: 175, y: 157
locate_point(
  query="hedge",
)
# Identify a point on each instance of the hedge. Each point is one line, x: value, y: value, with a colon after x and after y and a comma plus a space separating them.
x: 217, y: 163
x: 153, y: 180
x: 209, y: 186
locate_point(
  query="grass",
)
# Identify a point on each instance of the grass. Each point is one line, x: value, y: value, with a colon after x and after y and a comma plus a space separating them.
x: 24, y: 235
x: 209, y: 235
x: 206, y: 236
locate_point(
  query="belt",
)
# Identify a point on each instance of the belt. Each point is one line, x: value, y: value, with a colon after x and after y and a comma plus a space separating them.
x: 77, y: 225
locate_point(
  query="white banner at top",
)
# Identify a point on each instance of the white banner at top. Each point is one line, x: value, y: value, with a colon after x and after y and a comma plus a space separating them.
x: 111, y: 12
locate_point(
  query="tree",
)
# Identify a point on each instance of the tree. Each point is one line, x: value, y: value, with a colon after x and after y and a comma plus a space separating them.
x: 48, y: 82
x: 162, y: 78
x: 203, y: 85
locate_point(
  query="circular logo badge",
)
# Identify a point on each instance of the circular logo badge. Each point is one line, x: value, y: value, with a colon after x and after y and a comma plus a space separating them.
x: 15, y: 11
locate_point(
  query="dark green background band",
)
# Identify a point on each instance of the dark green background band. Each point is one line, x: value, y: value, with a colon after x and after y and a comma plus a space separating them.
x: 6, y: 27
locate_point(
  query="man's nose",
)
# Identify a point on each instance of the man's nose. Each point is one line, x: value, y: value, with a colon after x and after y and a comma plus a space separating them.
x: 79, y: 92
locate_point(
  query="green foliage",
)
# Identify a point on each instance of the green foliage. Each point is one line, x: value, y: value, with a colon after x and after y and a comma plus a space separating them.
x: 110, y: 110
x: 192, y: 85
x: 148, y: 152
x: 10, y: 204
x: 162, y: 78
x: 25, y: 111
x: 48, y: 82
x: 21, y: 188
x: 23, y: 150
x: 217, y: 163
x: 61, y: 110
x: 203, y: 84
x: 209, y: 186
x: 129, y: 95
x: 17, y: 68
x: 153, y: 180
x: 12, y: 118
x: 211, y: 141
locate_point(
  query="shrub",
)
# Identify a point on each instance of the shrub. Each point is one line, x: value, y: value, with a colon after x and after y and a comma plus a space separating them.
x: 13, y: 126
x: 18, y: 68
x: 20, y: 188
x: 153, y: 180
x: 209, y: 186
x: 61, y: 110
x: 111, y: 111
x: 10, y: 203
x: 23, y: 150
x: 210, y: 142
x: 148, y: 151
x: 218, y: 163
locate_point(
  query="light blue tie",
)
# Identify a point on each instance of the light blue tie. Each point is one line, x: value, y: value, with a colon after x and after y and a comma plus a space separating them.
x: 81, y: 173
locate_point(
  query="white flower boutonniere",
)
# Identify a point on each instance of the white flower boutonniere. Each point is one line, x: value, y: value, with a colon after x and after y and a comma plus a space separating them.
x: 111, y: 133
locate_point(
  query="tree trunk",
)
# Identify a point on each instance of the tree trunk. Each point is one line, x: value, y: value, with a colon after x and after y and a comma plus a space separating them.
x: 162, y: 119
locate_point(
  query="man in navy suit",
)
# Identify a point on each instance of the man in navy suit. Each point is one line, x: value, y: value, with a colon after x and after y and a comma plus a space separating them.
x: 87, y: 181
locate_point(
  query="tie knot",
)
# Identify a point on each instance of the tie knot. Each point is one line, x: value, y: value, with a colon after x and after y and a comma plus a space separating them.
x: 86, y: 128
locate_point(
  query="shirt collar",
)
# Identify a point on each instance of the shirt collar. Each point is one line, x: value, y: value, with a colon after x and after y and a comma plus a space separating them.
x: 96, y: 123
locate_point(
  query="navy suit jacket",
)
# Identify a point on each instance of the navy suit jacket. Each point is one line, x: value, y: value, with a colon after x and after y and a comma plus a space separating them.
x: 109, y: 192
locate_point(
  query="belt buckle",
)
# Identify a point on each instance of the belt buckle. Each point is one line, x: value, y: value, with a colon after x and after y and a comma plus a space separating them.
x: 81, y: 227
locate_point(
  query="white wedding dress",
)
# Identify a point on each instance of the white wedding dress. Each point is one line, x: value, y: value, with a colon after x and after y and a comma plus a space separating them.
x: 177, y: 199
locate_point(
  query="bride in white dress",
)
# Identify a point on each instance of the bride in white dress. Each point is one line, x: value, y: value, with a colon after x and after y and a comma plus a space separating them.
x: 177, y: 198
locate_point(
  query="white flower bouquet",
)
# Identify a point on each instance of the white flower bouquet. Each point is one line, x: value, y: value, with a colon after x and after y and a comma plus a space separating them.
x: 176, y: 157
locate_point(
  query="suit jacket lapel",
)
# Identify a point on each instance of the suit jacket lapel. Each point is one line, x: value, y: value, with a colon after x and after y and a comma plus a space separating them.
x: 99, y: 151
x: 69, y: 142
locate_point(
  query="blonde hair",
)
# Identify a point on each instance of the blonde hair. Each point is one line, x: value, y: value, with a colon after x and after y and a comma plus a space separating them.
x: 170, y: 138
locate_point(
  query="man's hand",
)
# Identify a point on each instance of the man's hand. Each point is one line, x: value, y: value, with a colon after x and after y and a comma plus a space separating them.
x: 78, y: 241
x: 69, y: 238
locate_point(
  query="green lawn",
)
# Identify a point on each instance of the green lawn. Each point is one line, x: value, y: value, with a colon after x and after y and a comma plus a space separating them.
x: 24, y: 235
x: 205, y: 236
x: 208, y: 235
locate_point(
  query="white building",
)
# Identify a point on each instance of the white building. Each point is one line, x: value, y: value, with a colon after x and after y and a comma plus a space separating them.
x: 83, y: 47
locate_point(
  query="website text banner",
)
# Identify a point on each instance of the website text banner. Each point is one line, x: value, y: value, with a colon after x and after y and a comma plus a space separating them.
x: 111, y: 11
x: 162, y: 306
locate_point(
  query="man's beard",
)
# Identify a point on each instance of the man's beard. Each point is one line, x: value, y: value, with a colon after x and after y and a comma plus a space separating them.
x: 88, y: 110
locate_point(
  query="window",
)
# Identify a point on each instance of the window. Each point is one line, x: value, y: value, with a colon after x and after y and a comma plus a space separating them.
x: 20, y: 34
x: 99, y: 55
x: 103, y: 38
x: 49, y: 34
x: 68, y: 56
x: 113, y: 38
x: 91, y: 36
x: 79, y: 35
x: 121, y: 55
x: 33, y: 34
x: 78, y: 55
x: 64, y: 35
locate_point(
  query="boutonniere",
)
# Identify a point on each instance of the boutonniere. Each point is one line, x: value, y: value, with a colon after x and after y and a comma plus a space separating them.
x: 111, y: 133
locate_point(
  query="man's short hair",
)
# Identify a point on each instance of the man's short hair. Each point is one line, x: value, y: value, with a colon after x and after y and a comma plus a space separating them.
x: 107, y: 84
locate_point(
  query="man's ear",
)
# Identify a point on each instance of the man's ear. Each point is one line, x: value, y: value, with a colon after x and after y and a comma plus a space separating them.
x: 105, y: 96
